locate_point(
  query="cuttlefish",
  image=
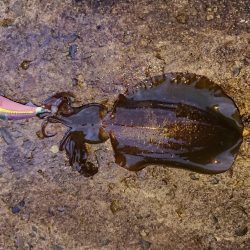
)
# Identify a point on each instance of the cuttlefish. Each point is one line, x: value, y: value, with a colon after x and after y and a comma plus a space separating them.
x: 177, y: 120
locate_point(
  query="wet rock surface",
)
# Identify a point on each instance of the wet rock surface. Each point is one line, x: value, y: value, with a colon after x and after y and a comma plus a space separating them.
x: 97, y: 49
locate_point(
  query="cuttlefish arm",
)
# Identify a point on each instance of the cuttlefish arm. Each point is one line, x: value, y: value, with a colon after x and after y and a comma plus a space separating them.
x: 10, y: 110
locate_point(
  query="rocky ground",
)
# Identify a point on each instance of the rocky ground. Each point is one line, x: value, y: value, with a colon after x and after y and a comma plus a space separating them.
x: 97, y: 49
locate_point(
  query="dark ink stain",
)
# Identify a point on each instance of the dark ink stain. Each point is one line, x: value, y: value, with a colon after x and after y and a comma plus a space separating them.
x: 73, y: 51
x: 178, y: 119
x: 17, y: 208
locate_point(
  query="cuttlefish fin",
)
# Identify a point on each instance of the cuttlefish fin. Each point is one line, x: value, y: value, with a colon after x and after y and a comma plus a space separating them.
x: 190, y: 89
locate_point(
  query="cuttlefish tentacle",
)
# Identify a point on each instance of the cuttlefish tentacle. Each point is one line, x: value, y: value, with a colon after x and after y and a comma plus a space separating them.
x: 64, y: 140
x: 43, y: 129
x: 58, y: 104
x: 77, y: 152
x: 51, y: 119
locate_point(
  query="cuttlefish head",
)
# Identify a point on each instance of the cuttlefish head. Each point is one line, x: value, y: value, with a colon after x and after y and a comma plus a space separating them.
x: 58, y: 104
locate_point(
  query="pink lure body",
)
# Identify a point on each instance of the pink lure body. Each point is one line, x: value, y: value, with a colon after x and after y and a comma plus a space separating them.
x: 10, y: 110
